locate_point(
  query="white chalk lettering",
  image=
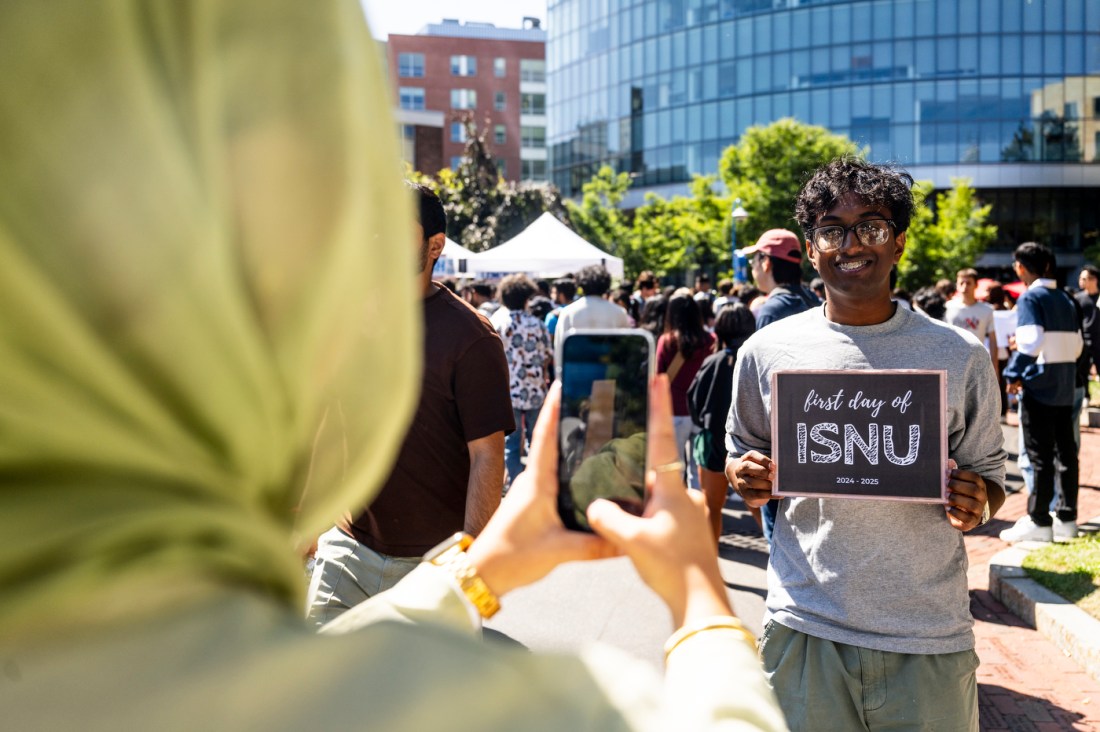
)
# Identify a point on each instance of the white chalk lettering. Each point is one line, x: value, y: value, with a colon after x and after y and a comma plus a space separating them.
x: 861, y: 402
x: 815, y: 434
x: 853, y: 442
x: 829, y: 404
x: 903, y: 402
x: 888, y: 445
x: 853, y: 439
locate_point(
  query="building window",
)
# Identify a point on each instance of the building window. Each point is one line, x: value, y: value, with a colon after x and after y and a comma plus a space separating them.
x: 463, y: 99
x: 500, y: 67
x: 463, y: 66
x: 410, y: 65
x: 1096, y: 106
x: 500, y: 102
x: 411, y: 97
x: 458, y: 132
x: 533, y: 169
x: 456, y: 161
x: 532, y: 103
x: 500, y: 134
x: 502, y: 167
x: 532, y: 136
x: 531, y: 69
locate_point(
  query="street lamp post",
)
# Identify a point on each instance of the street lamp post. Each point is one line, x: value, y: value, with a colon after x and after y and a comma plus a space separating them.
x: 740, y: 265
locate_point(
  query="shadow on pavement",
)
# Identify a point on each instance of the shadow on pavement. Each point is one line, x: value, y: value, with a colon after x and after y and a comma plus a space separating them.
x: 1001, y: 709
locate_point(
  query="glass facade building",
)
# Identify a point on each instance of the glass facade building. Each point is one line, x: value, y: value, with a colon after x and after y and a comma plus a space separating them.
x: 1005, y: 92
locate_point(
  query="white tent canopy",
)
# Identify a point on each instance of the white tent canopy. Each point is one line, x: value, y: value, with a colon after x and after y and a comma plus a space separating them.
x: 451, y: 260
x: 546, y: 248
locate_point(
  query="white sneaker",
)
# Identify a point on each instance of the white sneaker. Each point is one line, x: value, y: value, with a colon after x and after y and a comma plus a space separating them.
x: 1064, y: 530
x: 1027, y: 530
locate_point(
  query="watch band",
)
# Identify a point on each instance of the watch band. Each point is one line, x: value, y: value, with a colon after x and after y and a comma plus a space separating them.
x: 451, y: 556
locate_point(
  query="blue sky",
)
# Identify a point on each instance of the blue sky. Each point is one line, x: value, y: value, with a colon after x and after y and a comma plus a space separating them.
x: 409, y: 16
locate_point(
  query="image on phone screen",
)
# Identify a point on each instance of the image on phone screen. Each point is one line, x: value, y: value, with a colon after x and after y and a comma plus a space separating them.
x: 602, y: 429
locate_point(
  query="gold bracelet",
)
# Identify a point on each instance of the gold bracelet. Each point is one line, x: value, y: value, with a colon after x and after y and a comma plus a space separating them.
x: 717, y: 622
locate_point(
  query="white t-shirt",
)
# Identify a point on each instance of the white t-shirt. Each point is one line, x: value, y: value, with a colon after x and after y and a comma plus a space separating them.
x: 976, y: 318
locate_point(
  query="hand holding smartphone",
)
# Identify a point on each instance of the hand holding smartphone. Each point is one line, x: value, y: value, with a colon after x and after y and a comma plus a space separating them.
x: 605, y: 377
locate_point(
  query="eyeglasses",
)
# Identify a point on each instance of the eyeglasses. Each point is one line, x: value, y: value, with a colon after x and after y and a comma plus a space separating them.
x: 870, y: 233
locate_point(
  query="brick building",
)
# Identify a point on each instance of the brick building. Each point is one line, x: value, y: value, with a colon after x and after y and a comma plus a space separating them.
x: 496, y: 74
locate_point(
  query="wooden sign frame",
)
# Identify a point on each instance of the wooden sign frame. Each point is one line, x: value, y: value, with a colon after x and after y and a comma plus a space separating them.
x: 873, y: 434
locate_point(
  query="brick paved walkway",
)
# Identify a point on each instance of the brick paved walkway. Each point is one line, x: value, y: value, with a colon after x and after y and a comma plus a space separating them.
x: 1025, y: 682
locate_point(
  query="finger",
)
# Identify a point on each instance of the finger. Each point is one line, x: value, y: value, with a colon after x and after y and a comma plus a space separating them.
x: 543, y: 458
x: 960, y: 519
x: 611, y: 522
x: 752, y: 471
x: 661, y: 446
x: 967, y: 503
x: 757, y: 458
x: 578, y: 545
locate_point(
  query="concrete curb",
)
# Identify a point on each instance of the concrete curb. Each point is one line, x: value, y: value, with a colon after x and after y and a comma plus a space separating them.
x: 1072, y: 630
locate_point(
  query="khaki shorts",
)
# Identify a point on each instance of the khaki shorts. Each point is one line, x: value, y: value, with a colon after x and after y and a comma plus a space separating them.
x: 822, y: 685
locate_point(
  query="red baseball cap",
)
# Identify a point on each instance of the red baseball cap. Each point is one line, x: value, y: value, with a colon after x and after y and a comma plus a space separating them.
x: 778, y: 243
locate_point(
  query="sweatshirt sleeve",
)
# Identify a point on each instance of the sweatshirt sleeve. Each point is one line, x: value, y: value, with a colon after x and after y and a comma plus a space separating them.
x: 748, y: 426
x: 975, y: 440
x: 425, y: 595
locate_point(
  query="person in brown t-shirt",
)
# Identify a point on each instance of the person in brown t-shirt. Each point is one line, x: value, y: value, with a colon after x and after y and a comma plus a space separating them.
x: 450, y: 470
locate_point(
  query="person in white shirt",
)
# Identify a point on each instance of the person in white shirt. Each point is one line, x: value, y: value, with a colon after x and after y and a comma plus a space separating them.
x: 967, y: 312
x: 593, y: 310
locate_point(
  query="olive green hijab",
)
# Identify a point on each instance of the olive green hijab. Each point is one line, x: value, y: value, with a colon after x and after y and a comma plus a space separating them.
x: 208, y: 331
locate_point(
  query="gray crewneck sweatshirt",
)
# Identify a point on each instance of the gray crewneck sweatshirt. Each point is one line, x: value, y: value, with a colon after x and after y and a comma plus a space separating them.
x: 885, y: 575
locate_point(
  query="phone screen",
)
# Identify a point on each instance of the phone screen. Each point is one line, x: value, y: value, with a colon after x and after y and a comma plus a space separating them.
x: 602, y: 430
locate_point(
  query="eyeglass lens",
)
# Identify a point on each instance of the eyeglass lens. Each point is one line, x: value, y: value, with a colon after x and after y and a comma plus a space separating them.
x: 869, y: 233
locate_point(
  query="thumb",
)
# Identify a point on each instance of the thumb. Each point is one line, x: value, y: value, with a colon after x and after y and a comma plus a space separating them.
x: 611, y: 522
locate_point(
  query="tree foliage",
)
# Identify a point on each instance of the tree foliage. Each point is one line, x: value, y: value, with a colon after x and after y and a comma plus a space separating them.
x: 682, y: 232
x: 939, y: 243
x: 767, y: 167
x: 598, y: 218
x: 483, y: 209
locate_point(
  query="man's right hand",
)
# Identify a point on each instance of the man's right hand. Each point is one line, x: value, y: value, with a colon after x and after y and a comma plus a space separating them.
x: 751, y: 475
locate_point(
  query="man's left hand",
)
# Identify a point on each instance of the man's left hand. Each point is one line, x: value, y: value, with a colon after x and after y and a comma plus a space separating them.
x: 966, y: 497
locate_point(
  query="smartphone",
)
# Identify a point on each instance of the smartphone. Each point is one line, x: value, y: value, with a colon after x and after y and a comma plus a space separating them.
x: 605, y: 377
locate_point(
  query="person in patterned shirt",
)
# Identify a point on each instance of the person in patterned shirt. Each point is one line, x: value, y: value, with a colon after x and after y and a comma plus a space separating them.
x: 527, y: 347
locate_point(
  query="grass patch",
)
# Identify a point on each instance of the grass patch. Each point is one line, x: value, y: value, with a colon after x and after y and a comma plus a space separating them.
x: 1070, y: 569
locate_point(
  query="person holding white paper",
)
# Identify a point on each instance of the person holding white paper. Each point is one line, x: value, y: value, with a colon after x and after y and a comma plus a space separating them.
x: 867, y: 620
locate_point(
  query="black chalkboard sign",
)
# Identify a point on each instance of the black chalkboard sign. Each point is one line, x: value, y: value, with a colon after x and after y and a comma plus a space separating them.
x: 860, y: 434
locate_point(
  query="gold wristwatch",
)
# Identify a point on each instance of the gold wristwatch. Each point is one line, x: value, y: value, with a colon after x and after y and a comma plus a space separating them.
x: 451, y: 556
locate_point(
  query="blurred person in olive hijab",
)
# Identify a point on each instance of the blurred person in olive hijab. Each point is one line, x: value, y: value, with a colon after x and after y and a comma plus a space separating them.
x: 209, y: 347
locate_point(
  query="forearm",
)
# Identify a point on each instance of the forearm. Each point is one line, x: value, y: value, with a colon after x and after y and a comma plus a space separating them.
x: 484, y: 487
x: 995, y: 494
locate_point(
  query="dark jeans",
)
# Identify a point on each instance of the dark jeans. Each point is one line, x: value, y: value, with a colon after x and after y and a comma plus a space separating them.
x: 768, y: 513
x: 1048, y: 433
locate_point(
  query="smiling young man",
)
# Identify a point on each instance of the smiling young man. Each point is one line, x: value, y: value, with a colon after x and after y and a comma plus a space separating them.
x: 868, y: 622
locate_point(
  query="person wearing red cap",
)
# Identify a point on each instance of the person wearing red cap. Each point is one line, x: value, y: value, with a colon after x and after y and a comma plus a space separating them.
x: 777, y: 270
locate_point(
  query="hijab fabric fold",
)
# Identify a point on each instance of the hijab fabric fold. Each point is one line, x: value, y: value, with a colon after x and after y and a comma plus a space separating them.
x: 209, y: 340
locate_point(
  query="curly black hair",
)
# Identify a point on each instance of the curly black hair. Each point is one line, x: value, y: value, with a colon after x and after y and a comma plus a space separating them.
x: 877, y: 185
x: 594, y: 280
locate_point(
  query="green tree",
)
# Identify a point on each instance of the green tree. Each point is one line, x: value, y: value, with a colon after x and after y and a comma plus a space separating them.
x: 598, y: 218
x: 483, y: 209
x: 939, y: 244
x: 682, y: 232
x: 767, y: 167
